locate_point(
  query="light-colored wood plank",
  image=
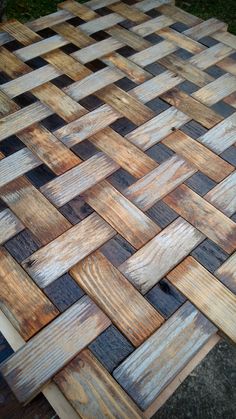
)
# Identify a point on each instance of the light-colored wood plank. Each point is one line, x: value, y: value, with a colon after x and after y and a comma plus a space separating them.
x: 148, y: 265
x: 22, y: 301
x: 222, y: 136
x: 129, y: 12
x: 226, y: 38
x: 77, y: 180
x: 202, y: 158
x: 53, y: 347
x: 34, y: 210
x: 92, y: 391
x: 205, y: 28
x: 223, y: 195
x: 53, y: 260
x: 159, y: 182
x: 132, y: 70
x: 211, y: 56
x: 179, y: 15
x: 152, y: 25
x: 228, y: 64
x: 149, y: 369
x: 201, y: 288
x: 129, y: 38
x: 77, y: 9
x: 16, y: 165
x: 153, y: 53
x: 191, y: 107
x: 10, y: 225
x: 209, y: 220
x: 121, y: 214
x: 181, y: 40
x: 217, y: 90
x: 226, y: 273
x: 157, y: 128
x: 112, y: 292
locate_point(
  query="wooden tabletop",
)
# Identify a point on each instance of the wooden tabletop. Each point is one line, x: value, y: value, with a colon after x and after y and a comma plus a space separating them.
x: 117, y: 206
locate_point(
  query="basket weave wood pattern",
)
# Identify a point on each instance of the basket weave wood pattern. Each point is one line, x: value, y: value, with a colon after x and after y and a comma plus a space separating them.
x: 118, y: 189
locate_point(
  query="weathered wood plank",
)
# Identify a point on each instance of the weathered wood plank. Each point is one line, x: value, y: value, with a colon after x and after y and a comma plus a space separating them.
x: 223, y: 195
x: 10, y: 225
x: 51, y: 349
x: 148, y: 265
x: 211, y: 56
x: 121, y: 214
x: 149, y: 369
x: 129, y: 12
x: 129, y: 38
x: 153, y: 53
x: 209, y: 220
x: 226, y: 273
x: 34, y: 210
x: 201, y: 287
x: 53, y: 260
x: 191, y: 107
x: 22, y: 301
x: 217, y: 90
x: 153, y: 25
x: 112, y: 292
x: 221, y: 136
x: 77, y: 180
x: 205, y: 28
x: 159, y: 182
x: 100, y: 395
x: 181, y: 40
x: 179, y: 15
x: 132, y: 70
x: 157, y: 128
x: 202, y: 158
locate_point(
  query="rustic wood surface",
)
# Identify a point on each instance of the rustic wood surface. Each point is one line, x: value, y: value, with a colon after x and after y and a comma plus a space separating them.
x: 117, y: 206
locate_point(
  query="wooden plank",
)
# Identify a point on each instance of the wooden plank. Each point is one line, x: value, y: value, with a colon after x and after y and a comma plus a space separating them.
x: 21, y: 300
x: 66, y: 64
x: 101, y: 23
x: 77, y: 180
x: 191, y: 107
x: 179, y: 15
x: 228, y: 64
x: 147, y: 266
x: 10, y: 225
x: 226, y: 38
x: 226, y: 273
x: 181, y: 40
x: 100, y: 392
x: 20, y: 32
x: 231, y: 100
x: 11, y: 65
x: 129, y: 38
x: 159, y: 182
x: 97, y: 50
x: 153, y: 53
x: 211, y: 56
x: 157, y: 128
x: 149, y: 369
x: 7, y: 106
x: 49, y: 149
x: 112, y: 292
x: 53, y: 260
x: 74, y: 35
x: 202, y: 158
x: 153, y: 25
x: 128, y: 12
x: 219, y: 228
x: 223, y: 195
x: 221, y: 136
x: 121, y: 214
x: 125, y: 104
x: 186, y: 70
x: 122, y: 152
x: 132, y: 70
x: 205, y: 28
x: 16, y: 165
x: 29, y: 204
x: 53, y: 347
x: 217, y: 90
x: 201, y: 288
x: 77, y: 9
x: 146, y: 5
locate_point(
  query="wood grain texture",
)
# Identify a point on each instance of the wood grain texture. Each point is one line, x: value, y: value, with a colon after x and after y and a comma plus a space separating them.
x: 92, y: 391
x: 202, y: 158
x: 205, y: 28
x: 181, y: 40
x: 76, y: 181
x: 201, y: 287
x: 221, y: 136
x: 152, y: 25
x: 146, y: 372
x: 226, y: 273
x: 159, y: 182
x: 21, y: 300
x: 157, y: 128
x: 34, y: 210
x: 147, y: 266
x: 191, y: 107
x: 209, y: 220
x: 223, y: 196
x: 112, y: 292
x: 16, y: 165
x: 121, y: 214
x: 53, y: 260
x: 10, y: 225
x: 43, y: 356
x: 216, y: 90
x: 211, y: 56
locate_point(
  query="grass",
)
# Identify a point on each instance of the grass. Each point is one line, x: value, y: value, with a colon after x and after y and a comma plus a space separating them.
x: 24, y: 10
